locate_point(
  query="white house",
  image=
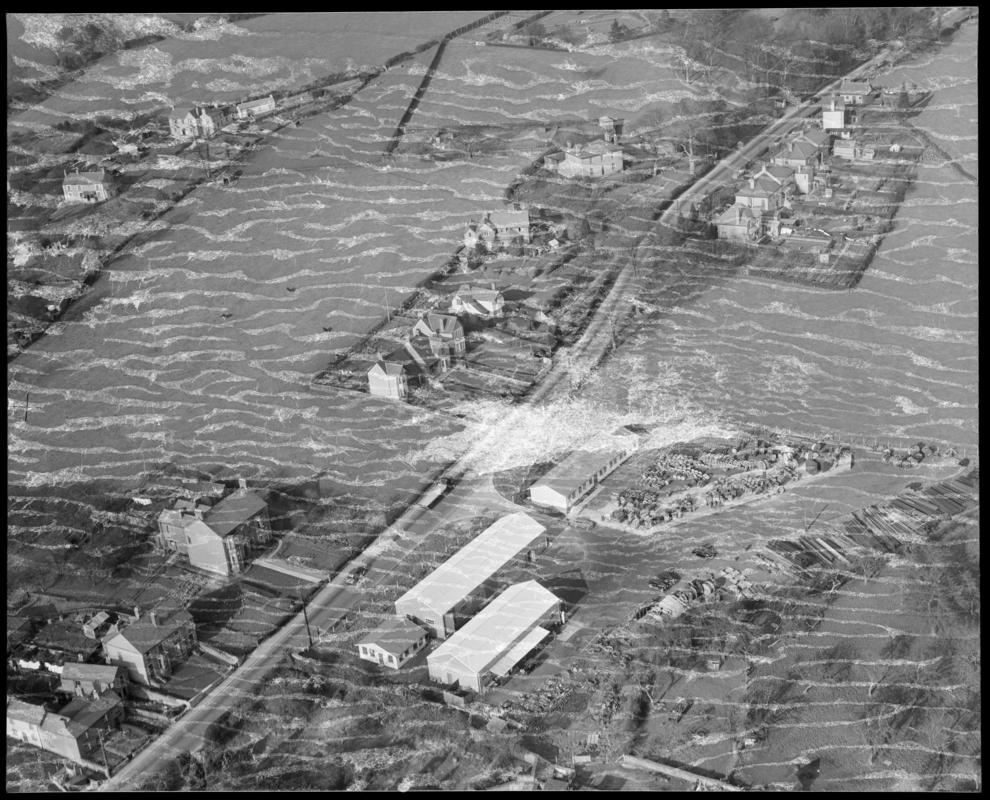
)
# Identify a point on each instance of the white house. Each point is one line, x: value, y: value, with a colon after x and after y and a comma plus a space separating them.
x: 388, y: 379
x: 487, y: 303
x: 392, y: 643
x: 834, y: 116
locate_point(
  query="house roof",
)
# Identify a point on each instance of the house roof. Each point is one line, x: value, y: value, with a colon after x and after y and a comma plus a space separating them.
x: 574, y: 470
x: 798, y: 149
x: 389, y: 368
x: 81, y: 713
x: 491, y: 633
x: 66, y: 636
x: 94, y: 178
x: 510, y: 218
x: 143, y: 635
x: 777, y: 172
x: 433, y: 323
x: 473, y: 564
x: 233, y: 511
x: 816, y: 136
x: 855, y: 87
x: 734, y: 215
x: 74, y: 671
x: 596, y: 148
x: 395, y: 636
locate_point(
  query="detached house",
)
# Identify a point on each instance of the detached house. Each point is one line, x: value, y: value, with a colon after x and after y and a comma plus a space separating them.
x: 510, y: 224
x: 388, y: 379
x: 216, y: 536
x: 150, y: 650
x: 483, y: 233
x: 393, y: 643
x: 444, y: 332
x: 487, y: 303
x: 796, y: 154
x: 591, y: 160
x: 855, y: 93
x: 87, y: 187
x: 739, y: 223
x: 763, y: 194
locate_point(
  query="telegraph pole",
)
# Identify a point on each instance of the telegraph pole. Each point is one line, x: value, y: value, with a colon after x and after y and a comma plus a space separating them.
x: 306, y: 617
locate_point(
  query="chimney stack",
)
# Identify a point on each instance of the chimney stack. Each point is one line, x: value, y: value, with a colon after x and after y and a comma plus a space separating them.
x: 154, y: 618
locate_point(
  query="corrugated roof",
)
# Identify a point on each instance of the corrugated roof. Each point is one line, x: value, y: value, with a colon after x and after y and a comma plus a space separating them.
x: 574, y: 470
x: 233, y: 511
x: 473, y: 564
x: 395, y: 636
x: 491, y: 634
x: 519, y: 651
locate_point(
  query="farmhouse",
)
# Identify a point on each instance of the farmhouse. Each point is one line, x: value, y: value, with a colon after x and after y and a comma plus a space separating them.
x: 574, y: 477
x: 497, y: 639
x: 150, y: 650
x: 392, y: 643
x: 739, y: 223
x: 92, y: 680
x: 444, y: 332
x: 73, y: 732
x: 87, y: 187
x: 388, y: 379
x: 478, y: 301
x: 590, y: 160
x: 255, y: 108
x: 435, y: 599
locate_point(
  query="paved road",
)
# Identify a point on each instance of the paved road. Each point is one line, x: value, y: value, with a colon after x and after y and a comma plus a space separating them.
x: 334, y: 600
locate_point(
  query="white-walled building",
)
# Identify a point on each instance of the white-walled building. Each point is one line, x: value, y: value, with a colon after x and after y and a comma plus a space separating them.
x: 392, y: 643
x: 497, y: 638
x: 433, y: 601
x: 574, y: 477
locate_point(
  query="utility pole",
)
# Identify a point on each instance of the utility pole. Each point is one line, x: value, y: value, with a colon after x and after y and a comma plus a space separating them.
x: 306, y: 618
x: 103, y: 749
x: 27, y: 403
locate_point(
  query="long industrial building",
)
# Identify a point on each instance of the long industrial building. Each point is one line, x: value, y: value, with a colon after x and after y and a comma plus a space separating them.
x: 433, y: 601
x: 497, y: 638
x: 574, y: 477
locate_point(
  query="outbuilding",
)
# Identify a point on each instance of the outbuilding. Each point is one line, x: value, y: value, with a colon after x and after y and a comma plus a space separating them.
x: 392, y: 643
x: 574, y: 477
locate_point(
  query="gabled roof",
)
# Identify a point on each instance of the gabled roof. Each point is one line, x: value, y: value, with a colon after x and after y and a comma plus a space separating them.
x: 143, y: 635
x: 233, y: 511
x: 777, y: 172
x: 491, y: 633
x: 798, y: 149
x: 816, y: 136
x: 81, y: 714
x: 734, y: 215
x: 855, y: 87
x: 432, y: 323
x: 510, y: 218
x: 389, y: 368
x: 596, y: 148
x: 74, y: 671
x: 259, y: 102
x: 394, y: 636
x: 94, y: 178
x: 25, y: 712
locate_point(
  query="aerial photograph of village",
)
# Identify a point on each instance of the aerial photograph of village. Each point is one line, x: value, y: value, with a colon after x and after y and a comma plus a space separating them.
x: 493, y: 400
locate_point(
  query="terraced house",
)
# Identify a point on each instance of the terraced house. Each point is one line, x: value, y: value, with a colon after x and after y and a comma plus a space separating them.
x: 72, y: 732
x: 150, y: 649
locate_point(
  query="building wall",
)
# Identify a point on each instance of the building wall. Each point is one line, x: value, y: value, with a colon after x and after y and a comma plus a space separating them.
x: 377, y: 655
x: 207, y: 550
x: 386, y: 386
x: 89, y: 193
x: 546, y: 496
x: 120, y: 652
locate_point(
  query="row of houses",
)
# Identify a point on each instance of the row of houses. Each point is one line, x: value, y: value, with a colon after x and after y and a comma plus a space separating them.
x: 205, y: 122
x: 499, y: 633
